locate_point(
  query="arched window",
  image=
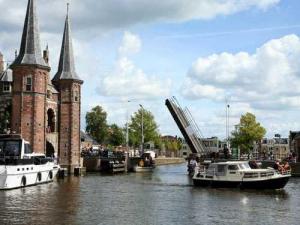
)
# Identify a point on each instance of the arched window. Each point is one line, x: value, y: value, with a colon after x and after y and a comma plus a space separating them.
x: 50, y: 121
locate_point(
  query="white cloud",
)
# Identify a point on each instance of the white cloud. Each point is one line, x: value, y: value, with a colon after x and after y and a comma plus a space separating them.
x: 112, y: 14
x: 129, y: 81
x: 131, y: 44
x: 268, y: 79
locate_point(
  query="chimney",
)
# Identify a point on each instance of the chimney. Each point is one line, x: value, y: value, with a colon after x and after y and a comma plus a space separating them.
x: 1, y: 63
x: 46, y: 55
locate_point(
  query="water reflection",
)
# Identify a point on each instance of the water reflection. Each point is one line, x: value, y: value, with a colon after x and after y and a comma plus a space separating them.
x: 165, y: 197
x: 41, y: 204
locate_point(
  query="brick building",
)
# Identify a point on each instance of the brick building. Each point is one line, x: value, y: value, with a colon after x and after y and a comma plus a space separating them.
x: 294, y: 140
x: 45, y: 112
x: 274, y: 148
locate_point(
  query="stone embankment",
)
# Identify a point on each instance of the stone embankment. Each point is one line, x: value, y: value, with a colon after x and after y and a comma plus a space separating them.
x: 166, y: 161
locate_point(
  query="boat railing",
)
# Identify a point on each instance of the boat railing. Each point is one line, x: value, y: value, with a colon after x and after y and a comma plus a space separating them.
x: 201, y: 169
x: 210, y: 173
x: 285, y: 172
x: 266, y: 174
x: 251, y: 175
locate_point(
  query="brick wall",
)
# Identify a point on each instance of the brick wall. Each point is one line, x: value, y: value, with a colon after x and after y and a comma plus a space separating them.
x: 69, y: 137
x: 28, y: 108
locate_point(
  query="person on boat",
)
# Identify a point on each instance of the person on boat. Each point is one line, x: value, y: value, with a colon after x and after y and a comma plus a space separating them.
x: 150, y: 160
x: 226, y: 152
x: 193, y: 163
x: 253, y: 164
x: 147, y: 161
x: 141, y: 163
x: 286, y: 166
x: 278, y: 166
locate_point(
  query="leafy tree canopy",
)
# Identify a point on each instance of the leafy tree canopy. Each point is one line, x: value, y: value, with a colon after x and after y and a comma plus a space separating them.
x: 247, y: 132
x: 115, y: 135
x: 173, y: 145
x: 150, y: 128
x: 96, y: 124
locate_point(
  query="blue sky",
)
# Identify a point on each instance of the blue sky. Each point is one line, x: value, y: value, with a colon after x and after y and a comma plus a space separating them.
x: 189, y: 49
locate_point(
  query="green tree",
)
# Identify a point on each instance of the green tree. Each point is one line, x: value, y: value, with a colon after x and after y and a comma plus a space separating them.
x: 247, y: 132
x: 173, y: 145
x: 96, y: 124
x: 115, y: 135
x: 150, y: 128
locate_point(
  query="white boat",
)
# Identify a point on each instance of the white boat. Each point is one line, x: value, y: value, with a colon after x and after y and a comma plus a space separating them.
x: 239, y: 174
x: 146, y: 164
x: 20, y: 167
x: 139, y: 169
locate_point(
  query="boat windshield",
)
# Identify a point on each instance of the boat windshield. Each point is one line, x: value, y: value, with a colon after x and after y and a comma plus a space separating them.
x: 244, y: 166
x: 10, y: 148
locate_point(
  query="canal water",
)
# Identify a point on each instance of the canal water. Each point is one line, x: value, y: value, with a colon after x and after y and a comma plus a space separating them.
x: 165, y: 197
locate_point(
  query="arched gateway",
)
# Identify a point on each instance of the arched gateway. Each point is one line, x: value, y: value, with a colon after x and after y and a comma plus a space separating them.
x: 49, y: 149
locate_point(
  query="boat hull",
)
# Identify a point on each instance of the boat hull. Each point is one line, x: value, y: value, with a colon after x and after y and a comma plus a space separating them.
x: 275, y: 183
x: 12, y: 177
x: 146, y: 169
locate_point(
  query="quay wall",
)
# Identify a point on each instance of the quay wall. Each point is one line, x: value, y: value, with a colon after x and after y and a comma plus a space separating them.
x: 166, y: 161
x: 93, y: 164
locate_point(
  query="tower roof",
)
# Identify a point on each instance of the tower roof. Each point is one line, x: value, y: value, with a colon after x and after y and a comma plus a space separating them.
x: 66, y: 66
x: 30, y: 49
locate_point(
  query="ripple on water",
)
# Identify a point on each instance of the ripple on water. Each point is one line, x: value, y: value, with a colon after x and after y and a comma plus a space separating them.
x: 164, y: 197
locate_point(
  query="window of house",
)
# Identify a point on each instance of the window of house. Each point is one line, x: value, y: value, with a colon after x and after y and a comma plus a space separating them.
x: 6, y: 87
x: 28, y: 83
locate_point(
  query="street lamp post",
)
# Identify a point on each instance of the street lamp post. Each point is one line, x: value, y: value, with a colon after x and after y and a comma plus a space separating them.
x: 227, y: 128
x: 142, y: 128
x: 127, y: 129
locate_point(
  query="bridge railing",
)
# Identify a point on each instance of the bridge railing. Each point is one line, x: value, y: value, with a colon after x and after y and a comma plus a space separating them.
x: 187, y: 126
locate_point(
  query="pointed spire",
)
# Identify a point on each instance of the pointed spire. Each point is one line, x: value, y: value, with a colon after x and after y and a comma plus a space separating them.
x: 66, y: 66
x: 30, y: 50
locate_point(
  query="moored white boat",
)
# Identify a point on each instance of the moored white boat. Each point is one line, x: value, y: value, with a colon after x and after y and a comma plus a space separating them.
x: 143, y: 168
x: 19, y: 167
x: 146, y: 164
x: 239, y: 174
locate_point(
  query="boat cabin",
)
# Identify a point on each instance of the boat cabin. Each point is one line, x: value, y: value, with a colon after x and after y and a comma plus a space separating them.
x: 234, y: 170
x: 15, y: 150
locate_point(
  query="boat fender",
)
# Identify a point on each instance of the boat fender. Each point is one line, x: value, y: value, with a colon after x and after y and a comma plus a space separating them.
x: 51, y: 175
x: 23, y: 181
x: 39, y: 176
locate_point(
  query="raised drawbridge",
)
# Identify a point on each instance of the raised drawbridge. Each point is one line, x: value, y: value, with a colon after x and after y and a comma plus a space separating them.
x: 187, y: 125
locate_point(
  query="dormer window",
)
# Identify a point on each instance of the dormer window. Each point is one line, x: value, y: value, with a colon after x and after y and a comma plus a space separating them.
x: 6, y: 87
x: 28, y: 83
